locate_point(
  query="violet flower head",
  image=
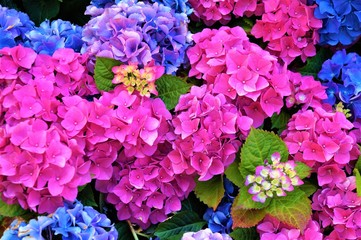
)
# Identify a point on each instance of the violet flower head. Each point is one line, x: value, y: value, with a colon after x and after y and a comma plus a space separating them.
x: 140, y: 32
x: 50, y: 36
x: 13, y: 27
x: 205, y: 234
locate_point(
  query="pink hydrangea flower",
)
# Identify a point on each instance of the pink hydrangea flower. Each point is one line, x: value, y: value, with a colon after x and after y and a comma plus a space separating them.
x: 248, y: 76
x: 290, y: 28
x: 214, y: 11
x: 320, y: 138
x: 271, y: 228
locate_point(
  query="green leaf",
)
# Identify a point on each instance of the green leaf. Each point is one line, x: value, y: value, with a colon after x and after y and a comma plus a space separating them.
x: 186, y: 221
x: 246, y: 218
x: 86, y: 196
x: 314, y: 64
x: 210, y: 192
x: 358, y: 181
x: 124, y: 232
x: 11, y: 210
x: 308, y: 188
x: 39, y: 10
x: 244, y: 200
x: 233, y: 173
x: 170, y: 88
x: 245, y: 234
x: 279, y: 121
x: 259, y: 146
x: 293, y: 209
x: 103, y: 74
x: 302, y: 170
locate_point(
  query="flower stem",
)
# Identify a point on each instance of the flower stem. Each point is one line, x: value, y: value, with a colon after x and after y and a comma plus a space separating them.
x: 135, y: 236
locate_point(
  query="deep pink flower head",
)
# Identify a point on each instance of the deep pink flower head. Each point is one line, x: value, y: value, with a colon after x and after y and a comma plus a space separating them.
x: 214, y: 11
x: 337, y: 207
x: 271, y: 228
x: 290, y: 28
x: 42, y: 127
x: 249, y: 76
x: 207, y: 128
x: 317, y: 137
x: 128, y: 139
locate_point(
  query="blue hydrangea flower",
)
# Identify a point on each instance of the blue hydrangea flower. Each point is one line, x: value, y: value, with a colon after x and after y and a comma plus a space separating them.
x: 101, y: 3
x: 50, y: 36
x: 220, y: 220
x: 12, y: 232
x: 341, y: 21
x: 180, y: 6
x: 13, y: 27
x: 71, y: 222
x: 341, y: 75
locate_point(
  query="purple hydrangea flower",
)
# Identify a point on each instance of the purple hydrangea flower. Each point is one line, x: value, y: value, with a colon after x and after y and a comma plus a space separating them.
x: 205, y: 234
x: 134, y: 31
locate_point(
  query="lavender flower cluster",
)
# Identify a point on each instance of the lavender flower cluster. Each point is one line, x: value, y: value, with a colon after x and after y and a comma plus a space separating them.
x: 139, y: 32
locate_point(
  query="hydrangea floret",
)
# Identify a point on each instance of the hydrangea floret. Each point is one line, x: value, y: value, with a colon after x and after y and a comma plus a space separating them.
x: 140, y: 80
x: 341, y: 75
x: 271, y: 228
x: 249, y: 76
x: 133, y: 148
x: 273, y: 178
x: 290, y: 29
x: 341, y: 21
x: 206, y: 128
x: 13, y: 27
x: 220, y: 220
x: 214, y: 11
x: 205, y: 234
x: 53, y: 35
x: 336, y: 205
x: 139, y: 32
x: 42, y: 141
x: 317, y: 137
x: 73, y: 221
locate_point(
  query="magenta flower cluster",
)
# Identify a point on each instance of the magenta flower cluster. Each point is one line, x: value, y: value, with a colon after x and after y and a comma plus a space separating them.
x: 212, y: 11
x: 271, y: 228
x: 317, y: 137
x: 132, y: 31
x: 207, y: 127
x: 290, y: 28
x: 248, y: 75
x: 139, y: 179
x: 273, y: 178
x: 53, y: 140
x: 41, y: 155
x: 336, y: 205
